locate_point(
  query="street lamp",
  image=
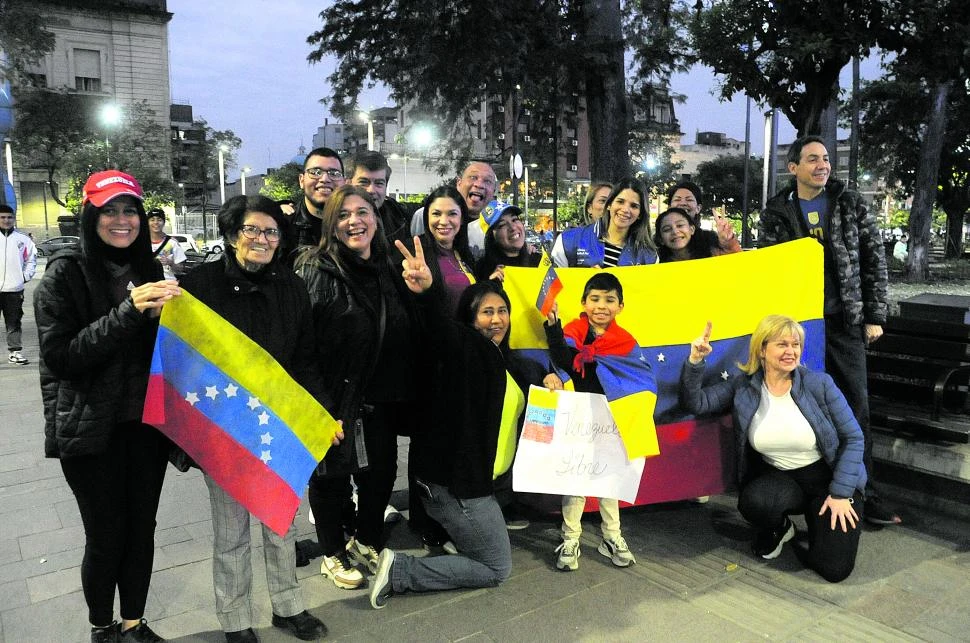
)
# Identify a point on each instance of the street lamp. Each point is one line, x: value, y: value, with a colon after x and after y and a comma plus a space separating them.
x: 242, y: 177
x: 110, y: 116
x: 365, y: 118
x: 222, y: 173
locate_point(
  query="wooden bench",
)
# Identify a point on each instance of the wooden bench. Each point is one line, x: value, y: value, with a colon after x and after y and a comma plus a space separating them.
x: 919, y: 372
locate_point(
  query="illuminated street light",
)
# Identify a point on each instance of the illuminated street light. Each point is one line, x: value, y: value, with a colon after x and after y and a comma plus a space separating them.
x: 365, y: 118
x: 110, y: 117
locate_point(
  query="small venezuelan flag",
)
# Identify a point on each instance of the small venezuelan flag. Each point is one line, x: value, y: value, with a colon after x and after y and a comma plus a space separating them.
x: 235, y: 411
x: 548, y: 291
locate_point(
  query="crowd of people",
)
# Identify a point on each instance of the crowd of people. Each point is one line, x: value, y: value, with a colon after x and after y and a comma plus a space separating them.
x: 398, y: 324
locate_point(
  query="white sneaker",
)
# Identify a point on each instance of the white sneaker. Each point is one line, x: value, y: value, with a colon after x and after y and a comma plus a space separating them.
x: 343, y: 574
x: 617, y: 551
x: 17, y: 358
x: 569, y: 554
x: 391, y: 514
x: 362, y: 555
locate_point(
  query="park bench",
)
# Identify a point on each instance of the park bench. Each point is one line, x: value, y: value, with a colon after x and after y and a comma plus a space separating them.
x: 919, y: 372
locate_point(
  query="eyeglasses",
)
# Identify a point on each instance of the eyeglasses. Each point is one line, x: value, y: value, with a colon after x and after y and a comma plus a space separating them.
x: 317, y: 172
x: 253, y: 232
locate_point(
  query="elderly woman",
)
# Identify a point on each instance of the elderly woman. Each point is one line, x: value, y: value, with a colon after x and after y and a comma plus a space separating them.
x: 799, y: 446
x: 254, y: 292
x: 365, y: 323
x: 678, y: 239
x: 620, y: 238
x: 505, y: 246
x: 96, y: 312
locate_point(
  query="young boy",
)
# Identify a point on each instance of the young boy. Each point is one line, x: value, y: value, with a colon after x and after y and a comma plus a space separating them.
x: 576, y: 350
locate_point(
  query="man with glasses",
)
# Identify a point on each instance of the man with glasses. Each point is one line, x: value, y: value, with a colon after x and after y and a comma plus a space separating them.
x: 477, y: 184
x: 18, y: 261
x: 323, y: 172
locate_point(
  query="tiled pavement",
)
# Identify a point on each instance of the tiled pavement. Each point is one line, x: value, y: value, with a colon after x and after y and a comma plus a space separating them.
x: 695, y: 578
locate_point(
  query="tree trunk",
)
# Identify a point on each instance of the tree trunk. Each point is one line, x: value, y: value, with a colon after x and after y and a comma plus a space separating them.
x: 606, y: 91
x: 954, y: 231
x: 921, y: 214
x: 828, y: 126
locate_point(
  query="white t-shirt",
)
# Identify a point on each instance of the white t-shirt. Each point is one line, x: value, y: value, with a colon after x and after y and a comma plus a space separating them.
x: 171, y: 250
x: 781, y: 434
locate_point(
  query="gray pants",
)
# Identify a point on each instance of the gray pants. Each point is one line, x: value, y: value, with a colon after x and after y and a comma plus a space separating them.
x: 232, y: 568
x: 12, y: 307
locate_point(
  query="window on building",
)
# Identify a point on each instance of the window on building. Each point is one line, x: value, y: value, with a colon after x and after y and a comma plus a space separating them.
x: 87, y: 70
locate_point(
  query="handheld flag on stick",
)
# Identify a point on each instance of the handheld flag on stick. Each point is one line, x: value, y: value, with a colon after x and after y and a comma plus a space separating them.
x: 551, y: 286
x: 235, y: 411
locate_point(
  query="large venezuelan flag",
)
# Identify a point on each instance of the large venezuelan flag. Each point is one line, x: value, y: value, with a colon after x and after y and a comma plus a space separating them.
x: 665, y: 308
x: 235, y: 411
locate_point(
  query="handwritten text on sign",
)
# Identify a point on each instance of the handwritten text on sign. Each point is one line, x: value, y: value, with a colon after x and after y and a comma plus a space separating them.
x: 570, y: 446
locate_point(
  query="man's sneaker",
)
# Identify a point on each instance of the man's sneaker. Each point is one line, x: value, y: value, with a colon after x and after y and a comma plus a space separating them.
x: 617, y: 551
x: 362, y: 554
x: 107, y: 634
x: 876, y: 513
x: 769, y: 542
x: 343, y: 574
x: 569, y: 553
x: 140, y: 633
x: 304, y: 626
x: 381, y: 590
x: 17, y: 358
x: 436, y: 547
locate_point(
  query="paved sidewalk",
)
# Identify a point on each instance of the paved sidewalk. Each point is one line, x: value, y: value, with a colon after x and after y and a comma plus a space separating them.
x: 695, y: 579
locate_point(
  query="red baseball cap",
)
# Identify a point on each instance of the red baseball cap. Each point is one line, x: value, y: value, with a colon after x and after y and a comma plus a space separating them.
x: 101, y: 187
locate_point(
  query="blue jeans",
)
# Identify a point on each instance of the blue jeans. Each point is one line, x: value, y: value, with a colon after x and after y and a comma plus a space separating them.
x: 477, y: 528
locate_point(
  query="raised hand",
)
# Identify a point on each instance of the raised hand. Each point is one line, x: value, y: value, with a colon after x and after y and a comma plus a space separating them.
x: 417, y: 275
x: 701, y: 347
x: 498, y: 273
x: 152, y: 296
x: 553, y: 315
x: 725, y: 233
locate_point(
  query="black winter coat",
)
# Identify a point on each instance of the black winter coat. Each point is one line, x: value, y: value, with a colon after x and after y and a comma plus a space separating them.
x: 86, y: 348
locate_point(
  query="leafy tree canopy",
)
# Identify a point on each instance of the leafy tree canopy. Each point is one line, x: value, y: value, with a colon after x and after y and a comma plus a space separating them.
x: 722, y: 180
x: 24, y: 37
x: 283, y: 183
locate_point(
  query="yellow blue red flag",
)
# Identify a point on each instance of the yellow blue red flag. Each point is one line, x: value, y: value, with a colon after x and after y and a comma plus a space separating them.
x: 666, y: 306
x: 235, y: 411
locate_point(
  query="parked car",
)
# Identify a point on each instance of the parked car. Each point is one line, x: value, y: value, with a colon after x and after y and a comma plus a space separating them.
x: 193, y: 259
x: 187, y: 242
x: 52, y: 245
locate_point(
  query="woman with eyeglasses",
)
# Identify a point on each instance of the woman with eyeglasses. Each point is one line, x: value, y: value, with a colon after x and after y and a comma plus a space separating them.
x: 505, y: 245
x: 258, y: 295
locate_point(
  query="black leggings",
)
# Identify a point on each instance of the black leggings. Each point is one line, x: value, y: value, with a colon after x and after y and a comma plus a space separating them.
x: 117, y: 492
x: 329, y: 495
x: 772, y: 494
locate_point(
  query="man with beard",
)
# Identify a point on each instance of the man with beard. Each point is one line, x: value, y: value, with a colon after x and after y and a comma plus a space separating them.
x: 477, y: 184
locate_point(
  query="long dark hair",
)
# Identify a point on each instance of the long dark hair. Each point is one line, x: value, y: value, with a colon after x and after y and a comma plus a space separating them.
x: 461, y: 239
x: 696, y: 247
x: 471, y: 298
x: 94, y: 251
x: 638, y: 235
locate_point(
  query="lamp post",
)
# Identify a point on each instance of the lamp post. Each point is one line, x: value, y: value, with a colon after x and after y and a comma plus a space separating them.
x: 365, y: 118
x: 525, y: 210
x: 110, y: 116
x: 222, y: 173
x: 242, y: 177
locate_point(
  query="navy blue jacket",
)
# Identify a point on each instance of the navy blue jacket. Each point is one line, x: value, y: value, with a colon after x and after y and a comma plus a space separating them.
x: 817, y: 397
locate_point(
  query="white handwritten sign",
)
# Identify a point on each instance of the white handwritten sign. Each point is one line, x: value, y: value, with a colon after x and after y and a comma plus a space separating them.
x: 570, y: 446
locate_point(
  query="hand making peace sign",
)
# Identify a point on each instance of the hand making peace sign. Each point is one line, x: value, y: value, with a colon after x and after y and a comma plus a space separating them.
x: 416, y: 273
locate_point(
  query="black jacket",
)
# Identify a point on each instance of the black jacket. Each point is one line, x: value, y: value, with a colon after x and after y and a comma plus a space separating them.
x: 351, y: 333
x: 88, y: 349
x: 396, y: 219
x: 467, y: 388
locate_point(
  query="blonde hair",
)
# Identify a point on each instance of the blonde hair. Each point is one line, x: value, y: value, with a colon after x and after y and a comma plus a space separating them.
x: 769, y: 328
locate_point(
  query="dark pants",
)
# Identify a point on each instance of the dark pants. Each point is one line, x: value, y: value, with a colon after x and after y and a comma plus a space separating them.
x: 773, y: 494
x: 117, y: 493
x: 328, y: 495
x: 12, y: 307
x: 845, y: 361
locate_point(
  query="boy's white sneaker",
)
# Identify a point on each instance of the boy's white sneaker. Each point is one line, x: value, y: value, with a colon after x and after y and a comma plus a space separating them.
x: 617, y: 551
x: 569, y: 554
